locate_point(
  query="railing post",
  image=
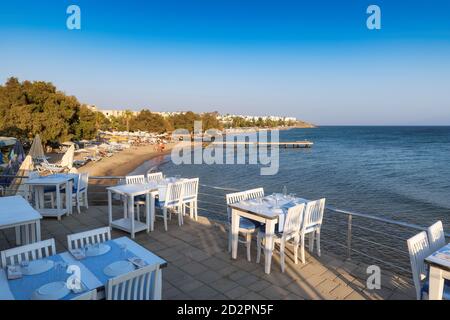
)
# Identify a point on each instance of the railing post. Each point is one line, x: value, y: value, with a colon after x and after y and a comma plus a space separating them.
x: 349, y: 237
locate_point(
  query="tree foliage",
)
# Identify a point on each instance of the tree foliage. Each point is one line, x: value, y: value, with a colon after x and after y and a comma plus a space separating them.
x: 28, y: 108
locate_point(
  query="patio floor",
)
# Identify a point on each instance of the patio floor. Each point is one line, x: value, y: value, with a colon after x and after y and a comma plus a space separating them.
x: 199, y: 266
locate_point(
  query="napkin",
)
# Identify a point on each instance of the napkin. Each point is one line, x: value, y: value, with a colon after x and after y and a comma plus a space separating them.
x: 138, y: 262
x: 78, y: 254
x: 14, y: 272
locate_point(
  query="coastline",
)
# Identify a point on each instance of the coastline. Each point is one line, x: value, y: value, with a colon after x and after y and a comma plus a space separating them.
x: 125, y: 161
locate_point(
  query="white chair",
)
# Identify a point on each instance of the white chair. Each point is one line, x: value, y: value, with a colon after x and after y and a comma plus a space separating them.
x: 29, y: 252
x: 290, y: 231
x: 136, y: 285
x: 80, y: 192
x: 155, y: 176
x: 255, y: 193
x: 436, y: 237
x: 419, y: 249
x: 172, y: 202
x: 138, y: 179
x: 140, y: 200
x: 246, y: 226
x: 312, y: 224
x: 90, y: 295
x: 190, y: 194
x: 82, y: 239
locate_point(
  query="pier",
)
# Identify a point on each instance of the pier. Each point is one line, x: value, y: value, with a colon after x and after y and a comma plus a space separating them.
x: 288, y: 144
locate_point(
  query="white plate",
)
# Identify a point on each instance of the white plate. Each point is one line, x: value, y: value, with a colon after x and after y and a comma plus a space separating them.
x: 118, y: 268
x: 51, y: 291
x: 93, y: 251
x: 37, y: 267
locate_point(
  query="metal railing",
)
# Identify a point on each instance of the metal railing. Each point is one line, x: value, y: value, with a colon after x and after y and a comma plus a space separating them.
x: 361, y: 237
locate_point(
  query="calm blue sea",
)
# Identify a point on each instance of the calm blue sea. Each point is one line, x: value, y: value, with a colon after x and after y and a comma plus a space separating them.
x: 397, y: 172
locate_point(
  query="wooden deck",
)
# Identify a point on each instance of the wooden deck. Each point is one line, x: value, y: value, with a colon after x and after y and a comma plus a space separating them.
x: 199, y: 266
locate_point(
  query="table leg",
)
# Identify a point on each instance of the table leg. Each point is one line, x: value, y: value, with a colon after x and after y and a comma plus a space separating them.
x: 148, y: 217
x: 109, y: 207
x: 125, y: 207
x: 36, y: 197
x: 131, y: 213
x: 58, y: 201
x: 69, y: 196
x: 234, y: 232
x: 33, y: 232
x: 268, y: 248
x: 41, y: 197
x: 18, y: 236
x: 436, y: 283
x: 38, y: 230
x: 152, y: 210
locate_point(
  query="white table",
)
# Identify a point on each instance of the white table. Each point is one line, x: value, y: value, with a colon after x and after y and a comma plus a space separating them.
x: 88, y: 277
x: 16, y: 212
x: 439, y: 263
x: 130, y: 191
x: 261, y: 213
x: 58, y: 181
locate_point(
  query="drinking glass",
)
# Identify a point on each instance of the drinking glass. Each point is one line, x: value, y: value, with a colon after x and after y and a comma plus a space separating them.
x: 123, y: 251
x: 24, y: 265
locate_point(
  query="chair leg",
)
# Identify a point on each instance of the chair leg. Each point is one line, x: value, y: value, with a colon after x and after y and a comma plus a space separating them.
x: 165, y: 218
x: 78, y: 203
x: 248, y: 244
x: 318, y: 242
x: 302, y: 248
x: 296, y: 250
x: 229, y: 239
x: 282, y: 255
x: 180, y: 216
x: 195, y: 210
x: 86, y: 203
x: 311, y: 242
x: 258, y: 248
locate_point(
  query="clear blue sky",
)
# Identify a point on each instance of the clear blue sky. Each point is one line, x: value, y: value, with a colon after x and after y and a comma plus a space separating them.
x: 315, y: 60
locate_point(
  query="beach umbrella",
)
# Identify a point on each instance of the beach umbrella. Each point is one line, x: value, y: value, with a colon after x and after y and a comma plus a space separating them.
x: 17, y: 185
x: 36, y: 150
x: 16, y: 157
x: 17, y: 153
x: 67, y: 159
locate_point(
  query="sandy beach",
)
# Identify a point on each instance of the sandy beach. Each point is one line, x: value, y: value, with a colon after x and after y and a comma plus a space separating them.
x: 125, y: 161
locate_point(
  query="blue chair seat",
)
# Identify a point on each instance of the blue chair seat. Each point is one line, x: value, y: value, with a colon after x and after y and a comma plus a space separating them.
x: 140, y: 198
x: 248, y: 224
x: 74, y: 190
x: 159, y: 204
x: 49, y: 189
x: 446, y: 293
x: 263, y: 229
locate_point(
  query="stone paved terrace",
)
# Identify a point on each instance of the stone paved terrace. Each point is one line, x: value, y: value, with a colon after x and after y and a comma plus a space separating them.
x: 199, y: 266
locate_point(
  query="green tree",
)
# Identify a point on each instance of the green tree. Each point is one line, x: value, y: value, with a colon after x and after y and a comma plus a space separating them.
x: 29, y: 108
x: 150, y: 122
